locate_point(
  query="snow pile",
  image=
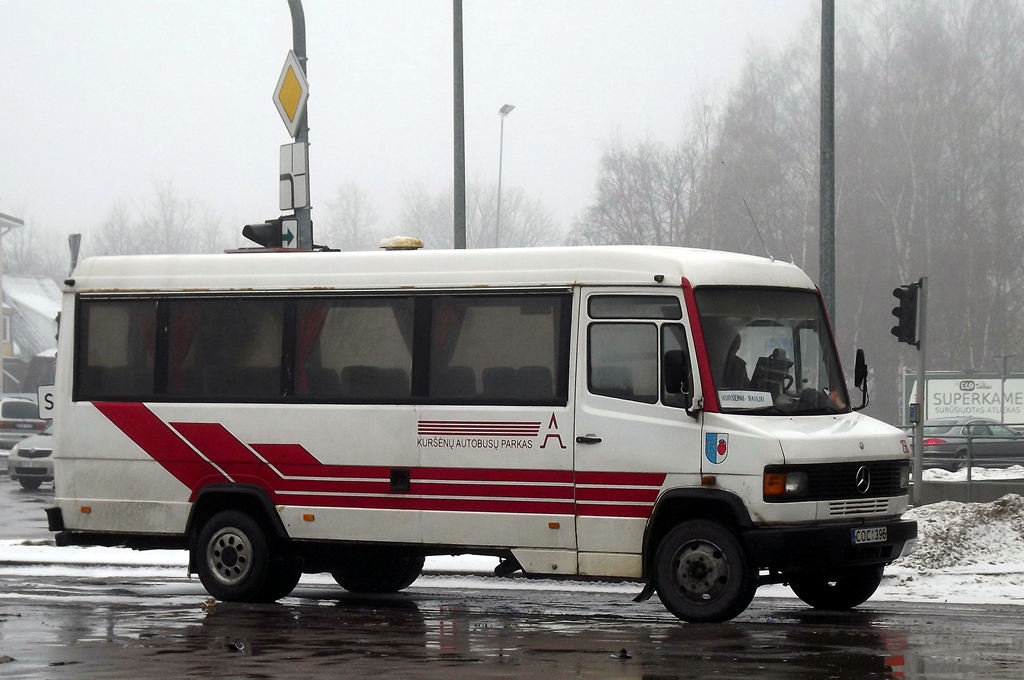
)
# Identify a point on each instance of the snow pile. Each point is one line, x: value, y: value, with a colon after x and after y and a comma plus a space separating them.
x: 952, y: 534
x: 977, y: 473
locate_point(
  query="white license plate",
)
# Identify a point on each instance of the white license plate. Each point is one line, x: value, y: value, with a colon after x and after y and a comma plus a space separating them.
x: 24, y: 426
x: 32, y: 464
x: 869, y: 535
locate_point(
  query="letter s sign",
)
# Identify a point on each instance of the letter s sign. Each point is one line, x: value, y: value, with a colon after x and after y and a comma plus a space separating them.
x: 44, y: 397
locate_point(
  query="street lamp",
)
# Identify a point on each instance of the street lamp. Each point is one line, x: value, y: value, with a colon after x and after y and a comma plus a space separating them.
x: 503, y: 111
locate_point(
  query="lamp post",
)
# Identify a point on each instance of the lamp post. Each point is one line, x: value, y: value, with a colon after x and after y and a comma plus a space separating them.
x: 503, y: 111
x: 1004, y: 363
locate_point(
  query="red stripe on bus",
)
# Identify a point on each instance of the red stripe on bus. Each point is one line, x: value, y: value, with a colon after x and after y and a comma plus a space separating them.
x: 154, y: 437
x: 298, y: 477
x: 524, y: 491
x: 653, y: 479
x: 293, y: 460
x: 493, y: 475
x: 398, y: 502
x: 232, y: 456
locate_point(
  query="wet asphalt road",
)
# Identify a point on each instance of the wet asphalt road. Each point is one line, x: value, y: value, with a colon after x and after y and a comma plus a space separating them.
x: 68, y: 623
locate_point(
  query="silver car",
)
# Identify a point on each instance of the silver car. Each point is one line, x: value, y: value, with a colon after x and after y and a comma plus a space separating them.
x: 30, y: 462
x: 19, y: 418
x: 951, y: 442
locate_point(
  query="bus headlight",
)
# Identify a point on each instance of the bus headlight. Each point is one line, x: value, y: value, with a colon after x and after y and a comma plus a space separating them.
x: 778, y: 485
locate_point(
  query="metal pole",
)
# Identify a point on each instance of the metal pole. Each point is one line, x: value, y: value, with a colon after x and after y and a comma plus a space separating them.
x: 503, y: 111
x: 827, y: 189
x: 1003, y: 362
x: 460, y: 127
x: 922, y: 387
x: 302, y: 215
x: 497, y: 219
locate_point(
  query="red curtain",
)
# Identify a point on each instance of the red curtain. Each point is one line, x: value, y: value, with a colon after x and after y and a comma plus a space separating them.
x: 312, y: 316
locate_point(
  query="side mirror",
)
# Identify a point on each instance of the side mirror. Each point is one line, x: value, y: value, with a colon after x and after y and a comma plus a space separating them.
x: 860, y: 378
x: 678, y: 379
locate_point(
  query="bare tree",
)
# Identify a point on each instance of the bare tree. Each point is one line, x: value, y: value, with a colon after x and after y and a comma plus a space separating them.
x: 525, y: 222
x: 351, y: 218
x: 119, y: 234
x: 35, y: 250
x: 169, y: 223
x: 930, y: 176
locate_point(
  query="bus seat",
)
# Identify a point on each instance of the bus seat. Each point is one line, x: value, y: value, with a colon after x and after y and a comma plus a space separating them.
x: 324, y: 382
x: 534, y: 382
x: 393, y: 384
x: 360, y: 381
x: 499, y: 382
x: 454, y: 381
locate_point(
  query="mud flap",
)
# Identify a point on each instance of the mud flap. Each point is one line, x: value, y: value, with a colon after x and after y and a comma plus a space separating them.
x: 646, y: 593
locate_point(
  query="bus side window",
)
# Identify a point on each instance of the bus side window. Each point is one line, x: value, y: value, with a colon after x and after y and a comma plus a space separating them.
x: 623, y: 361
x: 116, y: 349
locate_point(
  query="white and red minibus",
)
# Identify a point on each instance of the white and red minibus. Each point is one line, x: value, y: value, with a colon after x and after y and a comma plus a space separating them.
x: 674, y: 416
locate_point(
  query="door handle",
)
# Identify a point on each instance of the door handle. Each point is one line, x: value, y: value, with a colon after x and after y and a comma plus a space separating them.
x: 588, y: 439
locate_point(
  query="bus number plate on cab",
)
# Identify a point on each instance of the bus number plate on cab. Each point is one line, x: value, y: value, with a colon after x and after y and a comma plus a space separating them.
x: 869, y: 535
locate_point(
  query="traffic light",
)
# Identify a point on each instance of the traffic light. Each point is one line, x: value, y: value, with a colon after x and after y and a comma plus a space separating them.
x: 279, y: 233
x: 905, y: 329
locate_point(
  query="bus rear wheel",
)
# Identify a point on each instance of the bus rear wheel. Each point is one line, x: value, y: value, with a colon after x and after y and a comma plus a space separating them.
x: 702, y: 573
x: 282, y: 577
x: 838, y: 594
x: 234, y: 558
x: 376, y: 570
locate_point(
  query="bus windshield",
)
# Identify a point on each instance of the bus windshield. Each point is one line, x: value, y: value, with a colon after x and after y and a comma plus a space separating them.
x: 770, y: 352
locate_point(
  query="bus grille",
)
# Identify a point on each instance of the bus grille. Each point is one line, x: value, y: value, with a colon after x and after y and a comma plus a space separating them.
x: 839, y: 481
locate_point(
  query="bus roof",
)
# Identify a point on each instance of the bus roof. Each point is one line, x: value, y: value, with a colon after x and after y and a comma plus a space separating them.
x: 433, y: 269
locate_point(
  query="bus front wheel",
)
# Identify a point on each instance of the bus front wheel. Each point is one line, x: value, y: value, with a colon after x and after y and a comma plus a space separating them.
x: 702, y: 573
x: 234, y: 557
x: 838, y: 594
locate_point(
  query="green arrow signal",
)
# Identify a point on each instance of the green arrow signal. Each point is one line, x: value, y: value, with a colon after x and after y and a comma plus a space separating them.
x: 286, y: 237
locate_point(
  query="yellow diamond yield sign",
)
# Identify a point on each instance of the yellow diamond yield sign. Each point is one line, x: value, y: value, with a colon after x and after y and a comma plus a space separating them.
x: 291, y: 94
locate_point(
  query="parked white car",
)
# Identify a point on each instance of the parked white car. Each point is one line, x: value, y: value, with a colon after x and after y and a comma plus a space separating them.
x: 30, y: 461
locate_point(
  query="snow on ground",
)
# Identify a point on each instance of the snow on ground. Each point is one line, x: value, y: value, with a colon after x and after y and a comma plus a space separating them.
x: 977, y: 473
x: 965, y: 553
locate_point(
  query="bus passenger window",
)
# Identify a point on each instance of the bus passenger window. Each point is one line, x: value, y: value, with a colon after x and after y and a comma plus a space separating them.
x: 515, y: 345
x: 355, y: 349
x: 116, y: 349
x: 225, y: 348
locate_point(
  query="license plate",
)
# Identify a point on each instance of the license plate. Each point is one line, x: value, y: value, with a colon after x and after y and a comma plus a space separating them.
x: 869, y: 535
x: 24, y: 426
x: 31, y: 464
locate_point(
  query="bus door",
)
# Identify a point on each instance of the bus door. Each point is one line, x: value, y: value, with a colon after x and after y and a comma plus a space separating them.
x: 631, y: 427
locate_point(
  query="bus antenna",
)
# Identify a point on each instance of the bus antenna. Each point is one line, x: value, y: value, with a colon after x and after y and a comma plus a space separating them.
x: 754, y: 222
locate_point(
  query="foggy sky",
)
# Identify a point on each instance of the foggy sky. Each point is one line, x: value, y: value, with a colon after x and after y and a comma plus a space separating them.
x: 101, y: 99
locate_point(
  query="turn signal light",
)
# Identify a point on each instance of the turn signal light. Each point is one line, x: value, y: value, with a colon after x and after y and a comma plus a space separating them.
x: 781, y: 484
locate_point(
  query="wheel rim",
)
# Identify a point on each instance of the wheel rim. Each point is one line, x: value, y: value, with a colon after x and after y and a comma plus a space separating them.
x: 229, y: 556
x: 701, y: 571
